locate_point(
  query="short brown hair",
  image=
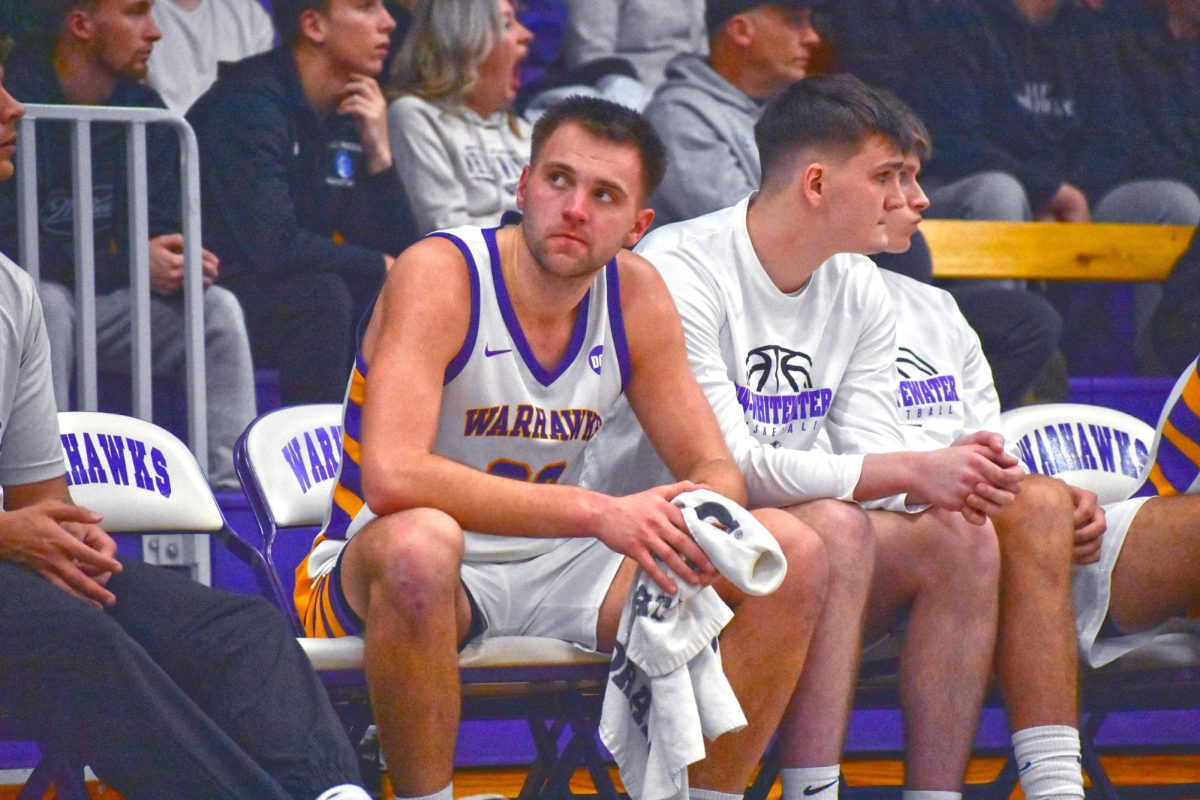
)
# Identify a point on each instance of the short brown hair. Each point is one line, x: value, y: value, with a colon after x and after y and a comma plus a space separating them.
x: 614, y: 122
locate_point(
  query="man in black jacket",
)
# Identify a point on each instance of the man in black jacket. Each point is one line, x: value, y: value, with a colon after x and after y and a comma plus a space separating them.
x: 1023, y: 99
x: 95, y: 53
x: 300, y: 198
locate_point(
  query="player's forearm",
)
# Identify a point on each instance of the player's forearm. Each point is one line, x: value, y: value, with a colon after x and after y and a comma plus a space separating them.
x: 722, y: 476
x: 482, y: 502
x: 888, y: 474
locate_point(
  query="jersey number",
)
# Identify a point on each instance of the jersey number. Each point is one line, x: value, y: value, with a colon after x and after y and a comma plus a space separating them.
x: 520, y: 471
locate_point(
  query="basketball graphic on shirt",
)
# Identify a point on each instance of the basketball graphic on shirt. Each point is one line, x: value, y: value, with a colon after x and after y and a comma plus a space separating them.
x: 772, y: 366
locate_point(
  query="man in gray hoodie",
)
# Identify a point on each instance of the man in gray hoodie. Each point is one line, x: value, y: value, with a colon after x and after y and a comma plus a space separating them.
x: 706, y: 109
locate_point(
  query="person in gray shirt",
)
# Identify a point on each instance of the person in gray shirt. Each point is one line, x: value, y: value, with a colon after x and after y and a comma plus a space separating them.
x: 707, y: 108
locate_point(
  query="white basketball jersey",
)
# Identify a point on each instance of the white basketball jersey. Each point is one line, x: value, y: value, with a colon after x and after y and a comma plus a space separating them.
x: 505, y: 413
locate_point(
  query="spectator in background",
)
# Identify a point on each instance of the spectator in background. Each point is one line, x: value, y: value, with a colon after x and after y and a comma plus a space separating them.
x: 459, y: 147
x: 1015, y: 93
x: 301, y: 200
x: 1011, y: 92
x: 647, y: 33
x: 1157, y: 47
x: 707, y: 108
x: 196, y: 35
x: 94, y: 52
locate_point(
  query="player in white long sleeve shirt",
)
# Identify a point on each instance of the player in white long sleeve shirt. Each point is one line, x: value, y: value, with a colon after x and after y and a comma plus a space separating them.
x: 789, y: 338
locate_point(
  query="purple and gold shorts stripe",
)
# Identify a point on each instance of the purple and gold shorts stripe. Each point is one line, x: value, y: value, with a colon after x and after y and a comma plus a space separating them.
x: 323, y: 609
x: 1177, y: 462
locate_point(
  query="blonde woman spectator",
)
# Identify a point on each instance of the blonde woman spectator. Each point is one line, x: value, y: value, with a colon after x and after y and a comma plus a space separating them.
x: 458, y: 147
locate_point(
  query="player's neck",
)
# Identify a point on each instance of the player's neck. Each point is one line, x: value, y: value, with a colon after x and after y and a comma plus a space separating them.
x: 546, y: 305
x: 790, y: 247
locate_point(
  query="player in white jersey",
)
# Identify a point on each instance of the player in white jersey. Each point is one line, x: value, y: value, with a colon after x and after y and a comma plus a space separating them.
x: 493, y: 355
x: 1119, y: 603
x: 789, y: 337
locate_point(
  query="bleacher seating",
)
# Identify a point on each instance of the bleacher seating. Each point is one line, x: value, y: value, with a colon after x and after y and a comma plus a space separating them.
x: 1054, y: 251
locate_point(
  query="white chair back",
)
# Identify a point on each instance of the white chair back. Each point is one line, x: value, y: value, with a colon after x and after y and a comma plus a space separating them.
x: 1095, y: 448
x: 138, y: 475
x: 293, y: 455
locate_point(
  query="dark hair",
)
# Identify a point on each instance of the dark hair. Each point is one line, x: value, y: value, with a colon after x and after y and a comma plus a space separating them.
x: 837, y: 110
x: 286, y: 14
x: 51, y: 14
x: 922, y: 142
x: 606, y: 120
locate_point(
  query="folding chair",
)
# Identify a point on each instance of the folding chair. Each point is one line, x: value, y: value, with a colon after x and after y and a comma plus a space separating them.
x: 1108, y: 452
x: 153, y: 485
x: 284, y: 461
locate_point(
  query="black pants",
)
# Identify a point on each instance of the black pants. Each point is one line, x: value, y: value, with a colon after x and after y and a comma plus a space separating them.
x: 304, y: 326
x: 178, y: 691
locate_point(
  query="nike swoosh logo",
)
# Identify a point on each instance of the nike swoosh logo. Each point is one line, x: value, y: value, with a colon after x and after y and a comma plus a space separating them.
x: 489, y: 352
x: 1028, y: 764
x: 809, y: 791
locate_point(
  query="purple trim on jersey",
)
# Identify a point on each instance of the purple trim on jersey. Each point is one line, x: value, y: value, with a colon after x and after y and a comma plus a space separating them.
x: 616, y: 321
x: 544, y: 376
x: 339, y: 522
x: 352, y: 422
x: 464, y: 354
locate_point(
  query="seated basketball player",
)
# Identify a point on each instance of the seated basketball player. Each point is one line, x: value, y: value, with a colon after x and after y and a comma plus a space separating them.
x: 793, y: 342
x: 1121, y: 594
x: 490, y: 358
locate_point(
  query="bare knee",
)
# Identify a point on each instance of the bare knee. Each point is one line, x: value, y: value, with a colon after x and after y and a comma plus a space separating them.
x: 845, y: 531
x: 959, y: 556
x: 1038, y: 525
x: 410, y: 560
x: 804, y: 588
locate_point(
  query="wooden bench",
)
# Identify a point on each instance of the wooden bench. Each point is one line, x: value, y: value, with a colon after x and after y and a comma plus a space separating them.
x: 1054, y: 250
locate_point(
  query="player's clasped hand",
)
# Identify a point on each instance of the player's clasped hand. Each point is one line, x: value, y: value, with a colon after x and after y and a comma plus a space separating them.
x: 1090, y: 525
x: 975, y: 476
x: 64, y: 544
x: 647, y: 526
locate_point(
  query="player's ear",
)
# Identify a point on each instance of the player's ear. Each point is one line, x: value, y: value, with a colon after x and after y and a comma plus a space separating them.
x: 812, y: 183
x: 521, y: 188
x: 640, y: 225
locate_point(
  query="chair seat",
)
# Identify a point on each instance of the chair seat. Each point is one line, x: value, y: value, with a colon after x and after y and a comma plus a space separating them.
x: 502, y: 651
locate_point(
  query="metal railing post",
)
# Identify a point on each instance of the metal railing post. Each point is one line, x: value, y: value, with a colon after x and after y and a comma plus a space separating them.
x: 83, y: 204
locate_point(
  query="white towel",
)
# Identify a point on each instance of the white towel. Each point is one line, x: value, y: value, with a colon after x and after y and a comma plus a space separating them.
x: 667, y: 692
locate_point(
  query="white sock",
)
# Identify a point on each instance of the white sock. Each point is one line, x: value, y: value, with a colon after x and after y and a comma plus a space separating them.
x: 444, y: 794
x: 819, y: 783
x: 347, y: 791
x: 930, y: 794
x: 1048, y: 762
x: 712, y: 794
